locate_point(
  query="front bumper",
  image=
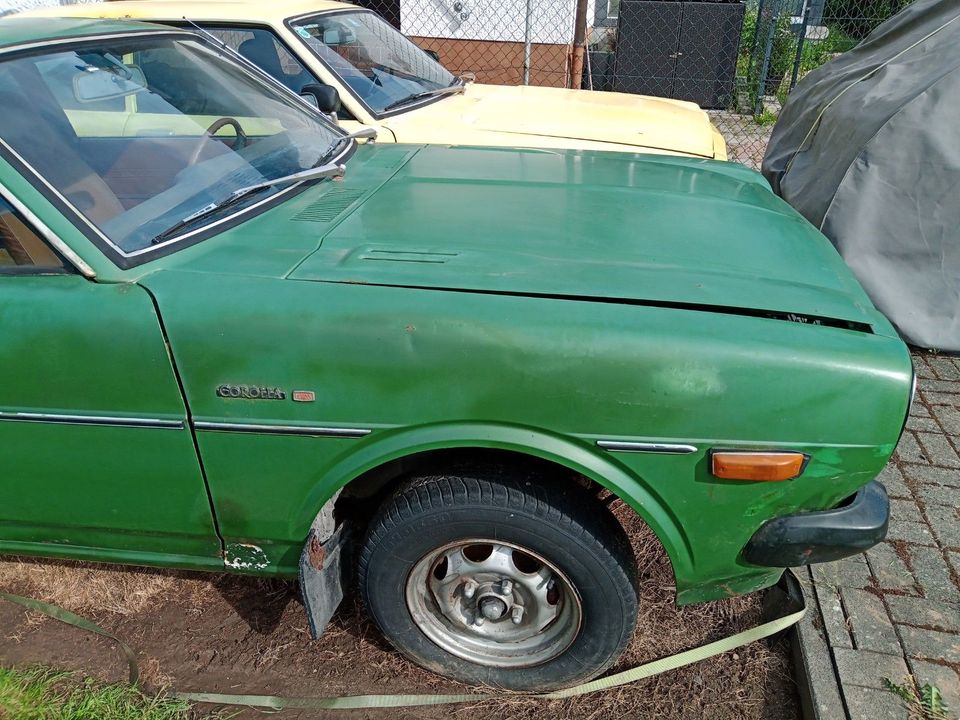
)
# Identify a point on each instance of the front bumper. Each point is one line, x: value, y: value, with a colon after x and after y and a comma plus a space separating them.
x: 822, y: 536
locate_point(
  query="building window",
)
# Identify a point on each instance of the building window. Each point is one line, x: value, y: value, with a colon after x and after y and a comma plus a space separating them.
x: 606, y: 13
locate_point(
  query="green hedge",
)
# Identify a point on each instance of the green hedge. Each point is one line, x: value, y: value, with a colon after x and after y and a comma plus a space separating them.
x: 858, y: 18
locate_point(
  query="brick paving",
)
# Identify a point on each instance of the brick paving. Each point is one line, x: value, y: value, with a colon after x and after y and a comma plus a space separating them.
x: 895, y: 611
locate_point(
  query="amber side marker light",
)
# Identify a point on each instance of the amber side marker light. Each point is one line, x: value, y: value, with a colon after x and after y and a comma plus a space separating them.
x: 761, y: 466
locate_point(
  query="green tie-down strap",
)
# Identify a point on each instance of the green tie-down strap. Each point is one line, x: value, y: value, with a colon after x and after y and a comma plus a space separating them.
x: 58, y: 613
x: 357, y: 702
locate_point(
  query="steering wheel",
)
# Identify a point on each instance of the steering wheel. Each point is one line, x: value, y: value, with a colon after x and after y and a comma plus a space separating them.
x: 216, y: 126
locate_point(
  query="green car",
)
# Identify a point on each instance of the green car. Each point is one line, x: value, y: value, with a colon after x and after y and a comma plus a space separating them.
x: 234, y: 338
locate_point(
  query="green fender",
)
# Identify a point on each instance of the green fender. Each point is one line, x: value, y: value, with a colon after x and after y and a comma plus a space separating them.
x: 579, y: 456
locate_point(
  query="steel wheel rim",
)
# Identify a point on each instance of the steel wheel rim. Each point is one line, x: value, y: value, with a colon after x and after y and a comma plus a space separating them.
x: 494, y: 603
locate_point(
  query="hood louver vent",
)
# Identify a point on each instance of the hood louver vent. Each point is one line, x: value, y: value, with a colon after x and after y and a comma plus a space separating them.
x: 330, y: 206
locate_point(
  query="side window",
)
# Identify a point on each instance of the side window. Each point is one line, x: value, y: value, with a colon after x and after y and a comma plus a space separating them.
x: 265, y: 50
x: 21, y: 247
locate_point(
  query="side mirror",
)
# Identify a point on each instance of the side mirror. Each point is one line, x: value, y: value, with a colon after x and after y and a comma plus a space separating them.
x: 434, y: 54
x: 324, y: 98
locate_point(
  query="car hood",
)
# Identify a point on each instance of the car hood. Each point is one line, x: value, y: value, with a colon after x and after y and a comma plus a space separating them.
x: 605, y: 227
x: 554, y: 117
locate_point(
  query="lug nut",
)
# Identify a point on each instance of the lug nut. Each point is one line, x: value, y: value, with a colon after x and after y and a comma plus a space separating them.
x: 516, y: 615
x: 479, y: 620
x: 469, y: 589
x: 506, y: 586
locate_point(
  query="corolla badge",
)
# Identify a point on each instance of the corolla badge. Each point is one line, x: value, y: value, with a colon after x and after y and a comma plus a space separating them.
x: 251, y: 392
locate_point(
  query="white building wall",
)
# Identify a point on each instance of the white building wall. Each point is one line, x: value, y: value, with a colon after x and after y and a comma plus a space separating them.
x: 551, y: 21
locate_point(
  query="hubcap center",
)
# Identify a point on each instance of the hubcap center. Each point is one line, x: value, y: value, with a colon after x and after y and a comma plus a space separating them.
x: 493, y: 608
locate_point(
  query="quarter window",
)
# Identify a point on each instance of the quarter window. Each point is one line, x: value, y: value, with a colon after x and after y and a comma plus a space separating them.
x: 262, y: 48
x: 20, y: 246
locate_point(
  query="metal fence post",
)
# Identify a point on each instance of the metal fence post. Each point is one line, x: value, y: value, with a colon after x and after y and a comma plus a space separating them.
x: 527, y: 43
x: 765, y: 67
x: 800, y: 40
x: 756, y: 30
x: 579, y: 41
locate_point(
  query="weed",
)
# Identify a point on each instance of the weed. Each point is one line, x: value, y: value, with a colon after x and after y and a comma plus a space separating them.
x: 923, y: 702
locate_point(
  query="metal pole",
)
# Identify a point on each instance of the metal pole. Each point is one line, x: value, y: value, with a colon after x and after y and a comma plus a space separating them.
x: 800, y: 41
x: 579, y: 40
x: 765, y: 67
x: 756, y: 30
x: 527, y: 43
x: 589, y: 71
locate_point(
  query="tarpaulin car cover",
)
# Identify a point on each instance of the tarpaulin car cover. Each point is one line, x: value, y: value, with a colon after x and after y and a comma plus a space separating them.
x: 868, y: 149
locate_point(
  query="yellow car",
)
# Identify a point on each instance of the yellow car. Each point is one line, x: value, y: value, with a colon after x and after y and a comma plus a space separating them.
x: 385, y: 81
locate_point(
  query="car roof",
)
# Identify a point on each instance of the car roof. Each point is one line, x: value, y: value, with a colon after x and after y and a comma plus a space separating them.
x: 226, y: 10
x: 23, y: 30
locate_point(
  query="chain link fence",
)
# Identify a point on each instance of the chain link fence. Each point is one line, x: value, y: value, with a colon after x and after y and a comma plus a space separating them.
x: 738, y: 60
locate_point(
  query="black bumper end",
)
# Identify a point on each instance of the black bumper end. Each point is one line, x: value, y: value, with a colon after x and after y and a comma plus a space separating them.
x: 822, y: 536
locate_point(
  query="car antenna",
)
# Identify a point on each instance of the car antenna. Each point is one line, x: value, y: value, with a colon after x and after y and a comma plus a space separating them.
x: 223, y: 45
x: 209, y: 35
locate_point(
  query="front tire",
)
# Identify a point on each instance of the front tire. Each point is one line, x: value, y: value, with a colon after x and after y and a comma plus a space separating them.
x: 500, y: 581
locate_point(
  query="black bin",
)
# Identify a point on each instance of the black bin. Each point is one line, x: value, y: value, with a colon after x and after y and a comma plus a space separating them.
x: 676, y: 49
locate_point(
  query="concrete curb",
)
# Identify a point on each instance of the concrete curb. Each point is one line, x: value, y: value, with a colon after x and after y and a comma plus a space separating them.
x: 813, y: 664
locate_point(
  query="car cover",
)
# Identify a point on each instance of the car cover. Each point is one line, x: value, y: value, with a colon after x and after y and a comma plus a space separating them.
x: 867, y: 148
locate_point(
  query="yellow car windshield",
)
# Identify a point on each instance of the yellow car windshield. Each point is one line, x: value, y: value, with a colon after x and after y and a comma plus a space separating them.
x: 375, y: 61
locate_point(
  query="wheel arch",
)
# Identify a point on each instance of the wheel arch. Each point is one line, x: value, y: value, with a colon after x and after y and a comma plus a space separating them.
x: 373, y: 463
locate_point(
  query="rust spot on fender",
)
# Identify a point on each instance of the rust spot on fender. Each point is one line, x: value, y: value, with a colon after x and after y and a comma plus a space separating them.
x: 316, y: 553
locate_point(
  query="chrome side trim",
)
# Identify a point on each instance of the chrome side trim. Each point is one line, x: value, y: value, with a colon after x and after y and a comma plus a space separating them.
x: 646, y: 447
x: 101, y: 420
x: 49, y: 235
x: 281, y: 429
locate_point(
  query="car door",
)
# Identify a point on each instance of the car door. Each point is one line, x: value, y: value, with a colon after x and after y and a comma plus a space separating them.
x: 96, y: 455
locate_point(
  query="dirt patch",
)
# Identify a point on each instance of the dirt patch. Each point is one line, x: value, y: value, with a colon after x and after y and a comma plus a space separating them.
x: 227, y: 633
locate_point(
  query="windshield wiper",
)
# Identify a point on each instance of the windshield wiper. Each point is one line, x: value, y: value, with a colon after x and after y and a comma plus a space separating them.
x: 449, y: 90
x: 364, y: 132
x: 315, y: 173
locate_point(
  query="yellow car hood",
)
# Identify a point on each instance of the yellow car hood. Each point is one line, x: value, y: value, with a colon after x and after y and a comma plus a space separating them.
x: 554, y: 117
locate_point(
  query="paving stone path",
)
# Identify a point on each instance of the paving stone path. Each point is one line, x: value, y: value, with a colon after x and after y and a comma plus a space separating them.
x: 895, y: 611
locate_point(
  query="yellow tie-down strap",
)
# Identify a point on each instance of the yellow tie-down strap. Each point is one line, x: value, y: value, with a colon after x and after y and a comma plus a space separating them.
x: 359, y: 702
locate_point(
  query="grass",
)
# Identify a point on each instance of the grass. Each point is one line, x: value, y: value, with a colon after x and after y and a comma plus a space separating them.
x: 43, y: 694
x: 82, y: 588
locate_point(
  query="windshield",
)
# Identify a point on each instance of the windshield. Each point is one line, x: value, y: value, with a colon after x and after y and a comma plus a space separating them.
x: 378, y: 64
x: 138, y: 133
